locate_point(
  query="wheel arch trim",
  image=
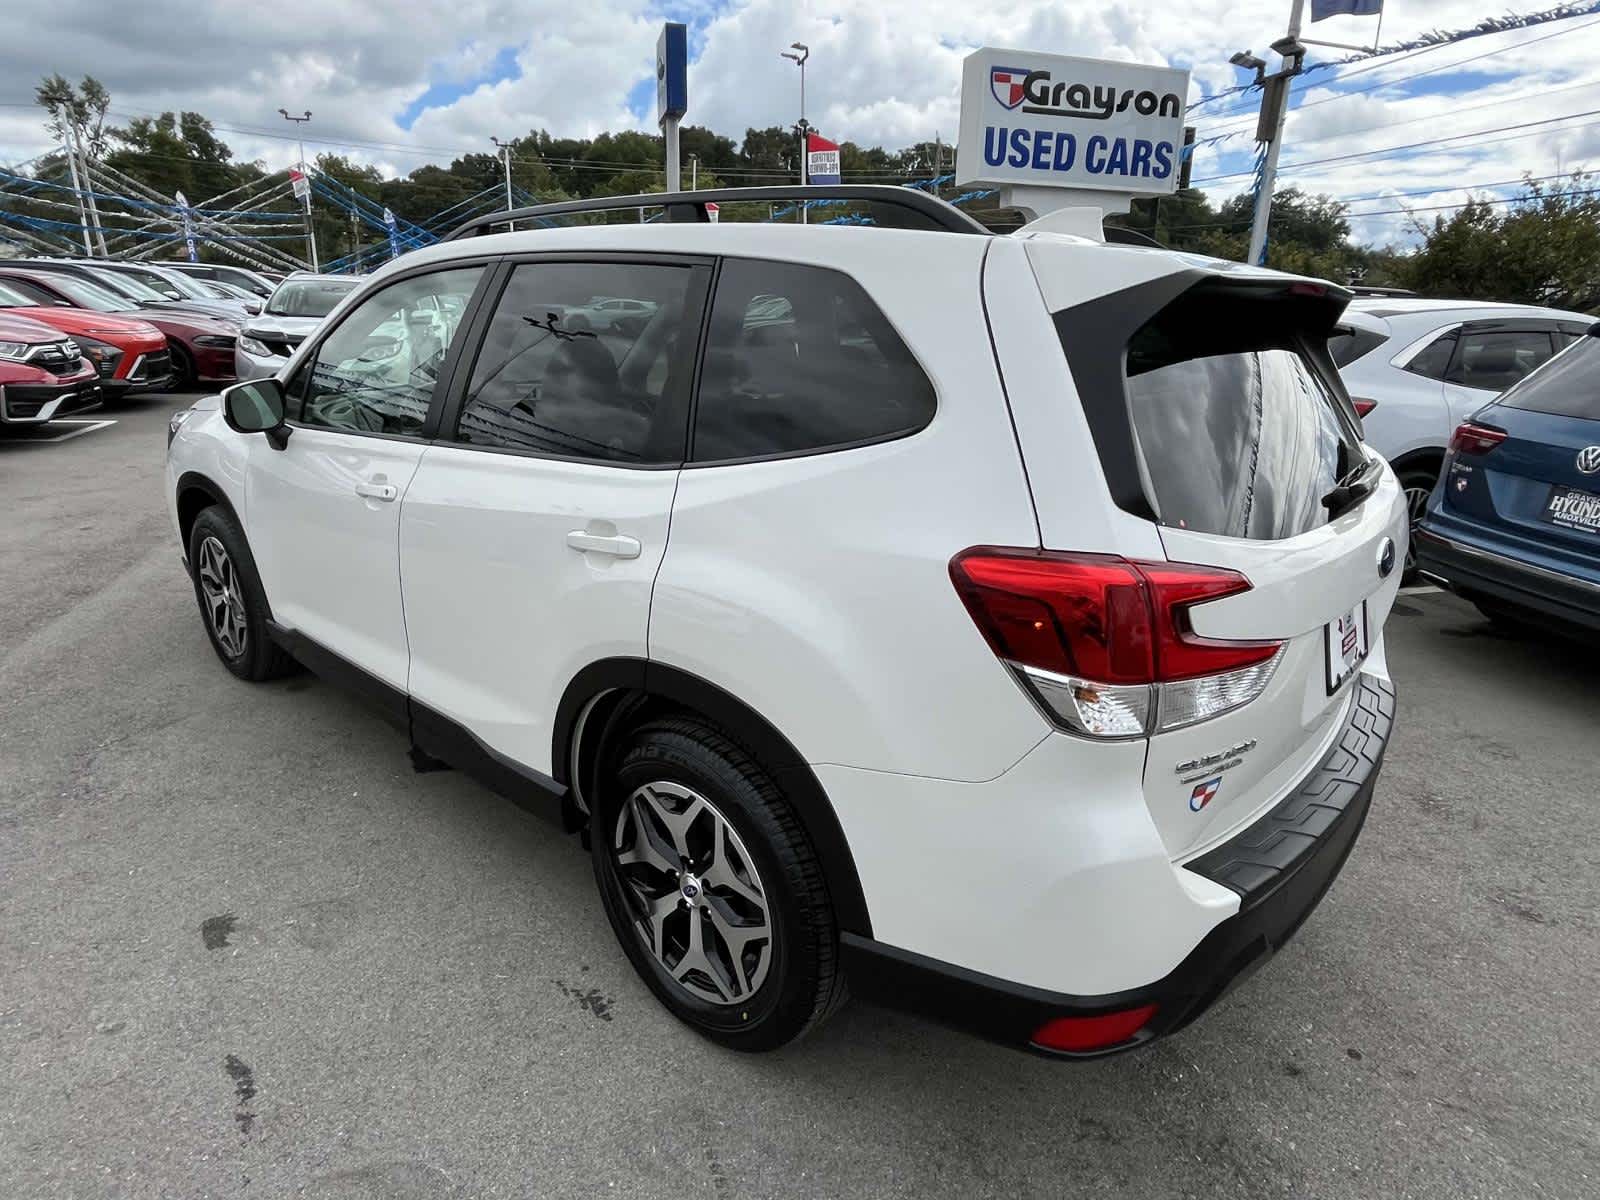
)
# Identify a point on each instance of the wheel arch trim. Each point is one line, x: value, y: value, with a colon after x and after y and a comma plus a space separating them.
x: 647, y: 680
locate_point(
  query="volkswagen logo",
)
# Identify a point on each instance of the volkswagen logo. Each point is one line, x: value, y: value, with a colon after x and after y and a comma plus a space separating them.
x: 1385, y: 558
x: 1589, y: 459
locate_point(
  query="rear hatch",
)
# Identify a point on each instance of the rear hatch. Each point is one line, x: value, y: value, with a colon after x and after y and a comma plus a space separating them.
x: 1527, y: 468
x: 1219, y: 418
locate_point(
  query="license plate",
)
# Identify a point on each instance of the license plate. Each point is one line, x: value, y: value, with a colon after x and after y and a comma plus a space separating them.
x: 1572, y: 509
x: 1346, y: 641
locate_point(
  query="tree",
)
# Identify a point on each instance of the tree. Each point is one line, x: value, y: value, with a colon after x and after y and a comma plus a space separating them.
x: 82, y: 109
x: 1544, y: 248
x: 177, y: 152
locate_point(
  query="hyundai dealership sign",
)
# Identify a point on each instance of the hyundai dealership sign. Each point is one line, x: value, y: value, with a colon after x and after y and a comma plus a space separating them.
x: 1047, y: 120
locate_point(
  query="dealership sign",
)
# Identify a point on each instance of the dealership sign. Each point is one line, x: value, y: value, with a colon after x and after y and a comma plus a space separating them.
x: 822, y: 159
x: 1047, y: 120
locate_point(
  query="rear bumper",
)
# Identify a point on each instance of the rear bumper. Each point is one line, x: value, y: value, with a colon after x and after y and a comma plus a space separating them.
x: 1281, y: 866
x: 1464, y: 567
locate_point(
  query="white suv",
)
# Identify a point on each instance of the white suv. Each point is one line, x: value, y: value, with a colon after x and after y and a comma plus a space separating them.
x: 993, y: 621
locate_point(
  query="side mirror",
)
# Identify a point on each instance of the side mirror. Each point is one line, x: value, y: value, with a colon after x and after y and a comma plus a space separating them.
x: 257, y: 406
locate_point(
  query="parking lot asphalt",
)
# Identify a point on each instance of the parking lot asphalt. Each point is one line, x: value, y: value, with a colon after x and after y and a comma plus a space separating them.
x: 246, y: 951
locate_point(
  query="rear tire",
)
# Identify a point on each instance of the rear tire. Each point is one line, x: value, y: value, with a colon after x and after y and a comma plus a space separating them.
x: 713, y: 888
x: 233, y: 605
x: 1418, y: 484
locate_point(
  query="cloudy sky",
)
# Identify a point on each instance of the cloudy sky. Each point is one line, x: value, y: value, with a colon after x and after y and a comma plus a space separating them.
x: 403, y: 84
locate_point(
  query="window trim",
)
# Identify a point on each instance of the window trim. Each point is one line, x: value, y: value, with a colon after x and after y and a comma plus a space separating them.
x: 358, y: 297
x: 702, y: 272
x: 689, y: 462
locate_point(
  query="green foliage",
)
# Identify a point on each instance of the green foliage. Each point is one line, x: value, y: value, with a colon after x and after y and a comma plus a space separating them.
x: 1543, y: 249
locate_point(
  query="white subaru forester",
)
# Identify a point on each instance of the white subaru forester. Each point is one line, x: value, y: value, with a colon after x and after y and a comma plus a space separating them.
x: 993, y: 622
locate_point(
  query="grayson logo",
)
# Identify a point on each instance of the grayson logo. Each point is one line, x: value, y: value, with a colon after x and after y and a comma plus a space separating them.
x: 1036, y: 93
x: 1204, y: 793
x: 1589, y: 459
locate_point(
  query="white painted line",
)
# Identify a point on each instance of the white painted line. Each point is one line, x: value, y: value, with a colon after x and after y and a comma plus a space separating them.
x: 1420, y: 589
x: 88, y: 426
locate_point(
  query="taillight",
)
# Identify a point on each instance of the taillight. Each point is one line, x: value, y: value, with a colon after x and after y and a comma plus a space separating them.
x: 1472, y: 438
x: 1105, y: 644
x: 1363, y: 405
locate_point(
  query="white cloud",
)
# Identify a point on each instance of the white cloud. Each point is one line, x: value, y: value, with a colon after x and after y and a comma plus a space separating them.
x: 881, y: 71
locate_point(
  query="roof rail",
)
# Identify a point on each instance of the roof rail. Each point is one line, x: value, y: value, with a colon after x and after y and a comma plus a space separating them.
x: 925, y: 211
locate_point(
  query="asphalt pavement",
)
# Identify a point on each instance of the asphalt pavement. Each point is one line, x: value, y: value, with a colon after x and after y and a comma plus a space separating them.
x: 246, y: 951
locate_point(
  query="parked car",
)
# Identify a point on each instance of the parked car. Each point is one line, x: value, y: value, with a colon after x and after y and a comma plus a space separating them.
x: 1514, y: 525
x: 605, y: 314
x: 295, y: 308
x: 129, y: 354
x: 42, y: 374
x: 253, y: 282
x: 200, y: 346
x: 1017, y: 651
x: 1418, y: 368
x: 137, y: 293
x: 174, y: 285
x: 227, y: 291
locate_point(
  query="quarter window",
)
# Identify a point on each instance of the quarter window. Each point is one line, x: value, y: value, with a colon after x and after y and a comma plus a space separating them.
x: 376, y: 372
x: 799, y: 359
x: 587, y: 361
x: 1433, y: 361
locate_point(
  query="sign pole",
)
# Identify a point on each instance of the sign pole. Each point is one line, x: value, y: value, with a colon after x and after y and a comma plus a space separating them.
x: 1275, y: 94
x: 672, y: 95
x: 674, y: 167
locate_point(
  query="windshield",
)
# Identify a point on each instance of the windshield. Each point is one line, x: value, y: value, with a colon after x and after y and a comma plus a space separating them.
x: 1566, y: 386
x: 89, y: 295
x: 10, y: 298
x: 127, y: 285
x: 176, y: 281
x: 308, y: 297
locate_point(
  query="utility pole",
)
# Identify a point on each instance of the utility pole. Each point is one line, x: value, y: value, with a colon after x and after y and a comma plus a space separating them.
x: 311, y: 233
x: 799, y: 59
x: 505, y: 157
x: 78, y: 140
x: 77, y: 188
x: 694, y: 172
x: 1269, y: 129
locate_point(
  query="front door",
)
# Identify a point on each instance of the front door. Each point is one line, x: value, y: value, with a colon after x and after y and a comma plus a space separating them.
x: 531, y: 533
x: 323, y: 514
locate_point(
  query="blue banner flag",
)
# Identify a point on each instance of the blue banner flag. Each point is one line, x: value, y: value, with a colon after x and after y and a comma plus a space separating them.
x: 1321, y: 10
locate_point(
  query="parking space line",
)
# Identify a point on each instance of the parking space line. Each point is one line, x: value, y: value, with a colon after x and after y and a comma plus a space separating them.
x: 1420, y: 589
x: 88, y: 426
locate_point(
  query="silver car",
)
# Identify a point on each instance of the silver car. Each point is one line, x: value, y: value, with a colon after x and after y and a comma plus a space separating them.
x: 295, y: 308
x: 1418, y: 368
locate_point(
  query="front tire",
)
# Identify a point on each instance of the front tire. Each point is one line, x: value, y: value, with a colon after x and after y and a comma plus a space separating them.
x: 233, y: 605
x: 713, y: 888
x: 183, y: 369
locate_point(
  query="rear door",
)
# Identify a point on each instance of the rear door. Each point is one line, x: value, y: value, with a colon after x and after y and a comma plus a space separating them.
x: 531, y: 533
x: 1219, y: 420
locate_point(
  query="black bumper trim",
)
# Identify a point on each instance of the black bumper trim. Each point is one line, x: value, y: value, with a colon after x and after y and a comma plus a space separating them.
x: 1465, y: 568
x: 1281, y: 869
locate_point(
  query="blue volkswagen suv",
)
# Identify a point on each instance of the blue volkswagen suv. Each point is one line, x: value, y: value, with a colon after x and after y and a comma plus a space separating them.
x: 1514, y: 523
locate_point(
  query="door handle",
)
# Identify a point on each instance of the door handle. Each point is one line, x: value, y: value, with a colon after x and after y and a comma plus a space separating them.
x: 377, y: 491
x: 617, y: 545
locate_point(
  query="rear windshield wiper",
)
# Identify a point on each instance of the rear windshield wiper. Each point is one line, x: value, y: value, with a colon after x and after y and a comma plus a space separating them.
x: 1352, y: 489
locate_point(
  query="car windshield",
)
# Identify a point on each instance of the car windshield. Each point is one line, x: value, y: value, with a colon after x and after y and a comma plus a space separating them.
x: 127, y: 285
x: 11, y: 298
x: 178, y: 282
x: 89, y: 295
x: 308, y: 297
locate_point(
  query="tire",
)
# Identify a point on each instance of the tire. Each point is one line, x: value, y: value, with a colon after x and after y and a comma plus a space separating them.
x: 1417, y: 483
x: 750, y: 863
x: 183, y: 373
x: 233, y: 605
x: 1506, y: 617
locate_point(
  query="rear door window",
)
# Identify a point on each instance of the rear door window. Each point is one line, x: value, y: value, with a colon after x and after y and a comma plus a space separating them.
x: 799, y: 360
x: 1569, y: 386
x: 1491, y: 360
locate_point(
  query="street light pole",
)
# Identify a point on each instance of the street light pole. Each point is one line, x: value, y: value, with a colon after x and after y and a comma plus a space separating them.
x: 311, y: 233
x: 799, y: 59
x: 1274, y: 108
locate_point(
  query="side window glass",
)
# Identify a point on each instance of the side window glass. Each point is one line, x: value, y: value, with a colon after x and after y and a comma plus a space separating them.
x: 800, y: 359
x: 375, y: 373
x: 1493, y: 361
x: 570, y: 370
x: 1434, y: 360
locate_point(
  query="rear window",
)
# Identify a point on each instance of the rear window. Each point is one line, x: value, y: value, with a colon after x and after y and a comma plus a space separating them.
x: 1237, y: 433
x: 1346, y: 345
x: 1567, y: 386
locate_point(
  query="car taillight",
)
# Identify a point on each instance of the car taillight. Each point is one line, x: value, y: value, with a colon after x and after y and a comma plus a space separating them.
x: 1363, y: 405
x: 1472, y: 438
x: 1105, y: 644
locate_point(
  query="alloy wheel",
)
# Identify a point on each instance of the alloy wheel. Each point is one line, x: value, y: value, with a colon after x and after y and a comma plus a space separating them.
x: 695, y: 898
x: 225, y: 610
x: 1416, y: 505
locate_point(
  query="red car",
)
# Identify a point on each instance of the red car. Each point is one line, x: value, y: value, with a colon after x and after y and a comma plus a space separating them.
x: 129, y: 354
x: 201, y: 345
x: 42, y: 375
